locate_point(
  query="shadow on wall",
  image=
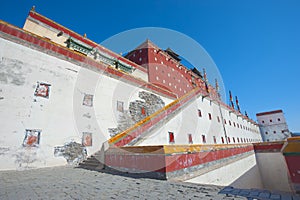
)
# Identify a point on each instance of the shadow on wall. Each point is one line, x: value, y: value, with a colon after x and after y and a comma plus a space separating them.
x: 250, y: 179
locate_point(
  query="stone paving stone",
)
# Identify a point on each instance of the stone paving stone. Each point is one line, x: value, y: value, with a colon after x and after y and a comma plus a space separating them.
x: 254, y: 193
x: 286, y: 197
x: 226, y: 189
x: 275, y: 196
x: 244, y: 193
x: 264, y: 195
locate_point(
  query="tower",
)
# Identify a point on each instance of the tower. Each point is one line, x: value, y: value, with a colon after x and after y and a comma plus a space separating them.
x: 273, y: 126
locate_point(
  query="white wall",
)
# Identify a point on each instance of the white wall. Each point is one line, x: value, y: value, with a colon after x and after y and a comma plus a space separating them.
x: 273, y: 170
x: 44, y: 30
x: 273, y: 127
x: 231, y: 173
x: 188, y: 122
x: 62, y: 117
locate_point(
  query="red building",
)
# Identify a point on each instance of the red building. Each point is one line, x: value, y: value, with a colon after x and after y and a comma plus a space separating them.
x: 165, y: 70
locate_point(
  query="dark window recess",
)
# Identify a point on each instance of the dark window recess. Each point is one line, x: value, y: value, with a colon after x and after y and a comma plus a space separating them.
x: 209, y: 116
x: 274, y: 132
x: 233, y: 139
x: 228, y: 139
x: 225, y: 121
x: 203, y: 139
x: 270, y: 120
x: 229, y: 123
x: 266, y: 133
x: 143, y: 111
x: 199, y: 113
x: 190, y: 138
x: 278, y: 119
x: 263, y: 121
x: 171, y: 137
x: 215, y: 139
x: 218, y: 118
x: 222, y: 140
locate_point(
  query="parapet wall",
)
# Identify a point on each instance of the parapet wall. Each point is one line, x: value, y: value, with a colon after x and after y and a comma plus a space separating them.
x: 272, y: 165
x: 180, y: 162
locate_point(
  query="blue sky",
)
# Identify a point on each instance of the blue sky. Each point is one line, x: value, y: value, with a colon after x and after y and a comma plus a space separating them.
x: 255, y: 44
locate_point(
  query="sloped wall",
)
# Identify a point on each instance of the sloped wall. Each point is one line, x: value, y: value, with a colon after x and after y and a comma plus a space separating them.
x: 48, y: 104
x: 204, y: 121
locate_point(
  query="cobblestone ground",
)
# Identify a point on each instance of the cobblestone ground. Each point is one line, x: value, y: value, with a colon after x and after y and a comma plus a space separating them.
x: 75, y: 183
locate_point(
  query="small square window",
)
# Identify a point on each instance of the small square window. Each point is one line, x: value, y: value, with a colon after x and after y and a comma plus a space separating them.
x: 282, y: 131
x: 171, y: 138
x: 234, y: 124
x: 222, y: 140
x: 238, y: 140
x: 228, y: 138
x: 215, y: 139
x: 263, y: 121
x: 218, y: 118
x: 266, y: 133
x: 233, y: 139
x: 278, y: 119
x: 229, y: 122
x: 270, y: 120
x: 225, y: 121
x: 32, y: 138
x: 274, y: 132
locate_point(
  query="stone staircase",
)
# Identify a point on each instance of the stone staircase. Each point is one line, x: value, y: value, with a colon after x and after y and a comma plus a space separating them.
x: 92, y: 162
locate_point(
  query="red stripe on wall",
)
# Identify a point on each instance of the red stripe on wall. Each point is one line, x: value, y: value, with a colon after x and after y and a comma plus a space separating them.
x: 51, y: 23
x: 149, y: 163
x: 33, y: 39
x: 178, y: 162
x: 168, y: 163
x: 268, y: 147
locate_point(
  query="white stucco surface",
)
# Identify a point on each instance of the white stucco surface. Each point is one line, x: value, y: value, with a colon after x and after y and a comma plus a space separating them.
x: 188, y: 122
x: 273, y: 170
x: 62, y: 117
x: 229, y: 174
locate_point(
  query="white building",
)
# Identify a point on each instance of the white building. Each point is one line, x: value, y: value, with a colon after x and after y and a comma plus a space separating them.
x: 273, y: 126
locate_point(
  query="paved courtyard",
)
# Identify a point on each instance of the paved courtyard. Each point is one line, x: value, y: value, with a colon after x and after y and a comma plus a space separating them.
x: 76, y: 183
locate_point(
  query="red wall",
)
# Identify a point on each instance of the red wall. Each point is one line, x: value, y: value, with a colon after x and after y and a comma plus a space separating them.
x: 166, y: 72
